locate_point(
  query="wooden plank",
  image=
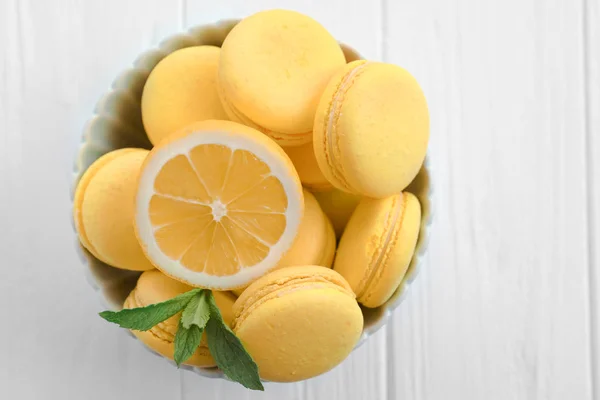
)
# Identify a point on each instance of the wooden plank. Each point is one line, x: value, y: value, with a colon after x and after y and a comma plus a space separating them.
x: 501, y: 310
x: 591, y: 31
x: 360, y: 376
x: 56, y: 58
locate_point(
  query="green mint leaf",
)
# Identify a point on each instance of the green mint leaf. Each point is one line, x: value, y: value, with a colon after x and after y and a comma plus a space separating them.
x: 229, y: 353
x: 197, y: 312
x: 186, y: 342
x: 144, y: 318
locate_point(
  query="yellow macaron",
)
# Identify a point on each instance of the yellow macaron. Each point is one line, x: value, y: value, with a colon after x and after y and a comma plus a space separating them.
x: 274, y: 67
x: 315, y: 242
x: 181, y: 89
x: 371, y: 129
x: 155, y: 287
x: 103, y: 209
x: 378, y: 245
x: 307, y: 167
x: 298, y: 322
x: 338, y: 206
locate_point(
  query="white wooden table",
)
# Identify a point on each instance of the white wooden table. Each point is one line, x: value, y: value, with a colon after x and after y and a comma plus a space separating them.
x: 507, y: 304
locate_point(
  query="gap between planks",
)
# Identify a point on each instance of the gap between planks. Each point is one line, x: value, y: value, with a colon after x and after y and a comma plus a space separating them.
x: 590, y: 194
x: 388, y: 339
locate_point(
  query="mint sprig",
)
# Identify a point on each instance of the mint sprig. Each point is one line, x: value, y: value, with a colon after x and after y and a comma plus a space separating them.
x: 191, y: 326
x: 187, y: 341
x: 198, y: 312
x: 144, y: 318
x: 228, y: 351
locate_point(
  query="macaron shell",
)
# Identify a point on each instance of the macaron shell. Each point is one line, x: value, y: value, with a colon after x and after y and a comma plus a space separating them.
x: 298, y: 322
x: 327, y: 153
x: 301, y: 334
x: 107, y: 212
x: 182, y: 89
x: 330, y: 245
x: 397, y: 153
x: 375, y: 123
x: 396, y: 262
x: 338, y: 206
x: 82, y: 185
x: 155, y: 287
x: 274, y: 67
x: 377, y: 246
x: 313, y: 241
x: 308, y: 169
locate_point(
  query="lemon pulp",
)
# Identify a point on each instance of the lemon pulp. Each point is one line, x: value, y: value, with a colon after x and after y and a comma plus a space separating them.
x: 217, y: 210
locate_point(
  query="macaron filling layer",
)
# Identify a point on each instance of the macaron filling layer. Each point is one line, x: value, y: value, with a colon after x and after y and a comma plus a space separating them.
x: 296, y: 139
x: 333, y: 118
x: 388, y: 241
x: 282, y: 287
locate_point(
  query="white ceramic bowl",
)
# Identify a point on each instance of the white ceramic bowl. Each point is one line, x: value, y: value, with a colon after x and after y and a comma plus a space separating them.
x: 117, y: 123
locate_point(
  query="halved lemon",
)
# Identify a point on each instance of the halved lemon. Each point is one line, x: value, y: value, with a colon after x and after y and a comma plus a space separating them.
x: 217, y: 205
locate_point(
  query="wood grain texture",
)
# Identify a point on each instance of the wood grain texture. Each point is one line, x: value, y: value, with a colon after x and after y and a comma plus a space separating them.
x: 502, y: 310
x: 506, y: 306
